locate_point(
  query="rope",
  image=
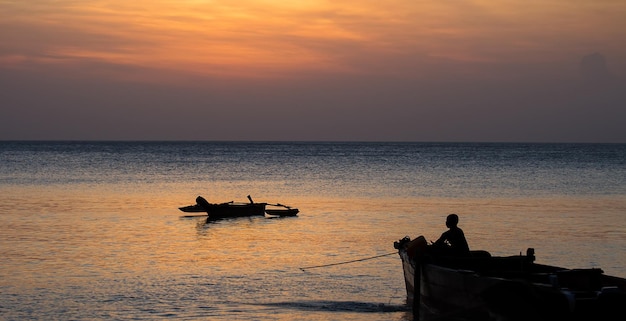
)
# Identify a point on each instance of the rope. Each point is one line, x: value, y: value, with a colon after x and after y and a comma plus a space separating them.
x: 346, y: 262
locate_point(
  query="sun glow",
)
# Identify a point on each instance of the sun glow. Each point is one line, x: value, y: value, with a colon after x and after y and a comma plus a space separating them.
x: 250, y: 38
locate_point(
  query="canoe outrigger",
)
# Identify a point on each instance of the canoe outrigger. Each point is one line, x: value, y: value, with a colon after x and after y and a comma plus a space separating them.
x: 238, y: 209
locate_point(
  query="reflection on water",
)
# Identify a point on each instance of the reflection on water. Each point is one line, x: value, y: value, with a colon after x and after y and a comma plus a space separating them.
x: 108, y: 241
x: 106, y: 263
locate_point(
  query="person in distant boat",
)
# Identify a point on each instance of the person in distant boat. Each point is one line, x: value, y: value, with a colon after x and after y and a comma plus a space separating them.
x: 453, y: 240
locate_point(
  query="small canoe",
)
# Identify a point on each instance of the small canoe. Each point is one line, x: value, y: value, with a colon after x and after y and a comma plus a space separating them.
x: 236, y: 209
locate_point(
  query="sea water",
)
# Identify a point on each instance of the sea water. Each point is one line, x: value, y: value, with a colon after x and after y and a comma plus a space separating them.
x: 92, y: 230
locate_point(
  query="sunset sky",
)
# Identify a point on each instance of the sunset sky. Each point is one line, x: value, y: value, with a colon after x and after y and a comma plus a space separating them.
x: 457, y: 70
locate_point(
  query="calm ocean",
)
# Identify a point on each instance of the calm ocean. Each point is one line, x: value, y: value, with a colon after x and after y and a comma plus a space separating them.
x: 92, y: 230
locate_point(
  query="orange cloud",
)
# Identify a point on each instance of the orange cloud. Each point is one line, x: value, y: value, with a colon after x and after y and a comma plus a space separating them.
x: 256, y: 38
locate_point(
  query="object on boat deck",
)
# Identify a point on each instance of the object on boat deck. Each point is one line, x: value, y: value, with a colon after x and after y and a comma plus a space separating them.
x: 479, y: 286
x: 238, y: 209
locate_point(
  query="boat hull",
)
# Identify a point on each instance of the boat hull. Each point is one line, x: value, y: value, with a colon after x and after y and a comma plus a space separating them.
x: 235, y: 210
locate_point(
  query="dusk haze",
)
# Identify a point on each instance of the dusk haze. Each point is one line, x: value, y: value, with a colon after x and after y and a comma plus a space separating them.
x: 301, y: 160
x: 427, y: 71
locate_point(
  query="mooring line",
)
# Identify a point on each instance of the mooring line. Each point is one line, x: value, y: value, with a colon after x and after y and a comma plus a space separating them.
x: 346, y: 262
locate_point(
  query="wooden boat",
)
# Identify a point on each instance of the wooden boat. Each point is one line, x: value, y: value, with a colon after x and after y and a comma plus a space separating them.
x: 484, y: 287
x: 235, y: 209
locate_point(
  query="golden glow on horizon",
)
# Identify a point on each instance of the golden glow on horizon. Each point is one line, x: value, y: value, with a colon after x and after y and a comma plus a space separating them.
x: 256, y: 38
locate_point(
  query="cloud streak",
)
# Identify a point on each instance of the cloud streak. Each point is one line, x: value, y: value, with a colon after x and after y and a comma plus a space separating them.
x: 213, y: 36
x: 323, y: 70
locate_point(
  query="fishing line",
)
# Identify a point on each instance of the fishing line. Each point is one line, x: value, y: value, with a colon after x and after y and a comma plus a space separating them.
x: 346, y: 262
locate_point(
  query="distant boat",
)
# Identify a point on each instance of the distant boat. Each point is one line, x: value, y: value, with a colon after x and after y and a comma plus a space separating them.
x: 485, y: 287
x: 237, y: 209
